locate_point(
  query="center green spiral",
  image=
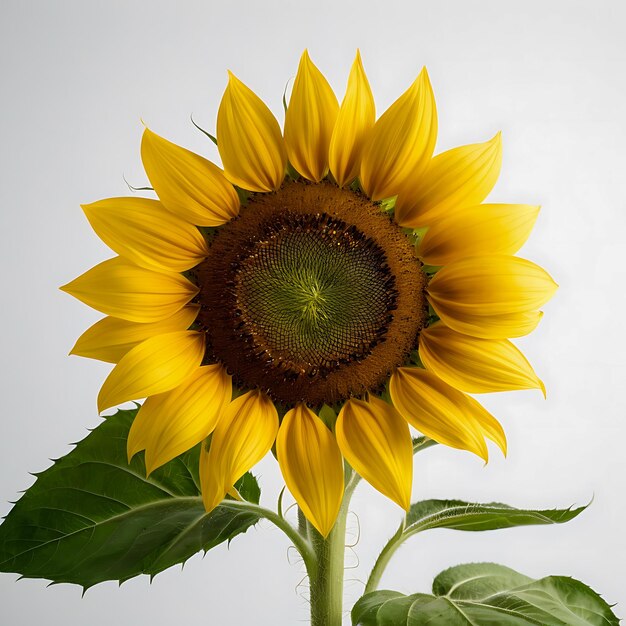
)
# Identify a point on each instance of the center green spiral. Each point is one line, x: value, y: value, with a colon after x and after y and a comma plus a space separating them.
x: 315, y: 294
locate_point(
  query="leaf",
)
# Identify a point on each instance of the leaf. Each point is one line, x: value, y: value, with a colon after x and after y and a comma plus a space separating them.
x: 459, y: 515
x: 476, y: 580
x: 92, y: 517
x: 394, y: 613
x: 475, y: 517
x: 248, y: 488
x: 486, y: 594
x: 368, y: 606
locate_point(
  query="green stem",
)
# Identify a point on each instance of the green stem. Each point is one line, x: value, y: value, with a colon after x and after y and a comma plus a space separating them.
x: 383, y: 559
x: 301, y: 544
x: 327, y: 584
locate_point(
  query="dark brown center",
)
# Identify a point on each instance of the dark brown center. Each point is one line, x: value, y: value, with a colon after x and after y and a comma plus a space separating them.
x: 312, y: 294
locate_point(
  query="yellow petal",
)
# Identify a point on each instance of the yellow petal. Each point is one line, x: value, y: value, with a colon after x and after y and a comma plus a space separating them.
x: 376, y: 441
x: 156, y: 365
x: 401, y: 142
x: 488, y: 424
x: 122, y: 289
x: 187, y: 184
x: 488, y: 289
x: 476, y: 230
x: 438, y: 410
x: 475, y: 365
x: 233, y: 493
x: 493, y: 326
x: 243, y: 436
x: 309, y: 121
x: 249, y: 140
x: 111, y: 338
x: 144, y: 232
x: 170, y: 423
x: 459, y: 177
x: 355, y: 120
x: 312, y: 466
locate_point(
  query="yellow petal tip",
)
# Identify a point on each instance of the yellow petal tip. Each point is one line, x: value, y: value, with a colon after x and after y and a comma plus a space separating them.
x: 502, y: 444
x: 324, y: 532
x: 209, y: 505
x: 542, y: 387
x: 130, y: 453
x: 233, y: 493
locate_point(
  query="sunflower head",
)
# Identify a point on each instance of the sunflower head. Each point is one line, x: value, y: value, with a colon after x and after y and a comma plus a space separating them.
x: 361, y: 273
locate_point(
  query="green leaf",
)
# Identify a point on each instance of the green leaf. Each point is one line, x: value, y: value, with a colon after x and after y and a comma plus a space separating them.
x: 367, y: 607
x: 475, y: 580
x: 248, y: 488
x: 486, y: 594
x: 92, y: 516
x: 475, y: 517
x: 459, y: 515
x: 394, y: 613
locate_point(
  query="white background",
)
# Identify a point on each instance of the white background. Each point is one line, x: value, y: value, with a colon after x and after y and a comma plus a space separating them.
x: 76, y: 79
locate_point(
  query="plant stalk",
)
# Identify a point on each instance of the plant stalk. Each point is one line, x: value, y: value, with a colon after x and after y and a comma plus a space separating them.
x: 383, y: 559
x: 327, y: 583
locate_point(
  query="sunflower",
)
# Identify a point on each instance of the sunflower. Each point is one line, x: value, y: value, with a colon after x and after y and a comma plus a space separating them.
x: 330, y: 286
